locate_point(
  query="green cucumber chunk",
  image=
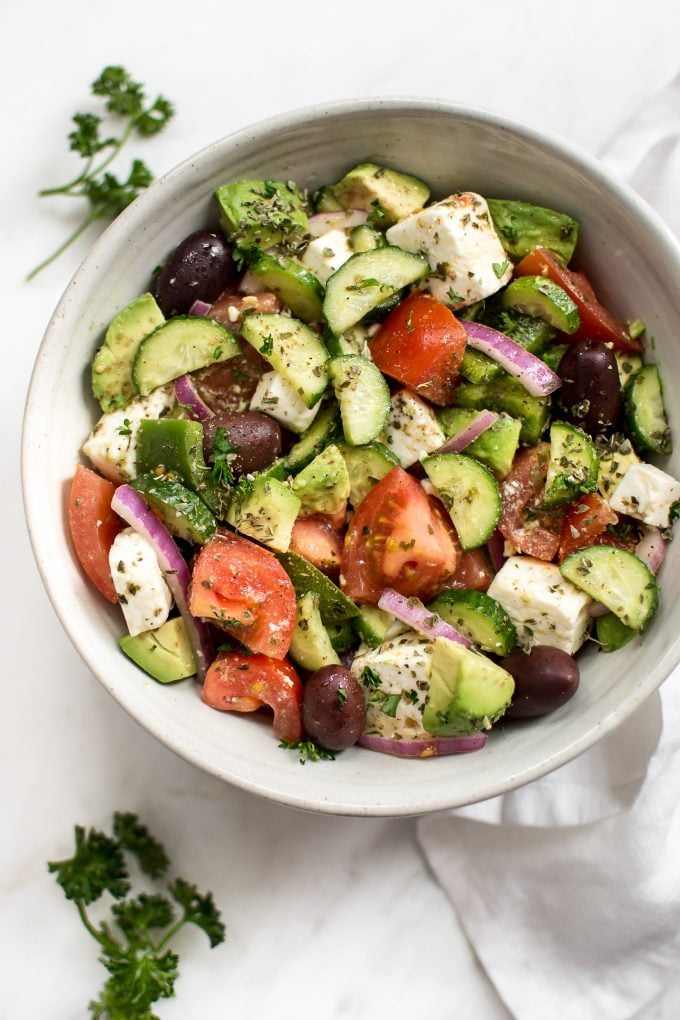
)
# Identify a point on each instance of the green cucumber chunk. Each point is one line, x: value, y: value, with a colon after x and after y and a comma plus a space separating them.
x: 616, y: 578
x: 342, y: 635
x: 508, y: 395
x: 479, y: 617
x: 468, y: 692
x: 366, y: 466
x: 260, y: 213
x: 495, y: 448
x: 334, y: 605
x: 372, y: 625
x: 183, y: 344
x: 323, y: 486
x: 165, y: 654
x: 112, y: 383
x: 469, y: 492
x: 182, y: 511
x: 324, y: 200
x: 365, y: 238
x: 264, y: 509
x: 612, y: 633
x: 363, y: 396
x: 311, y: 646
x: 645, y: 412
x: 323, y: 431
x: 293, y: 349
x: 388, y: 194
x: 573, y: 466
x: 296, y: 286
x: 522, y: 226
x: 367, y: 280
x: 540, y: 297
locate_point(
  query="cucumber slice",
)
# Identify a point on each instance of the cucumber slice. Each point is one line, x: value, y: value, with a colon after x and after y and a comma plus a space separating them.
x: 182, y: 511
x: 366, y: 466
x: 372, y: 625
x: 469, y: 492
x: 296, y: 286
x: 618, y: 579
x: 645, y: 412
x: 323, y: 431
x: 311, y: 646
x: 540, y: 297
x: 573, y: 465
x: 294, y: 350
x: 611, y: 633
x: 365, y: 281
x: 333, y: 603
x: 363, y: 396
x: 183, y: 344
x: 352, y: 341
x: 112, y: 364
x: 479, y: 617
x: 365, y: 238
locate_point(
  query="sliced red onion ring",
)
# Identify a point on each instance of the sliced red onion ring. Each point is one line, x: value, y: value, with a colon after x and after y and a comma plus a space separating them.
x: 200, y: 309
x: 534, y: 374
x: 597, y: 609
x: 496, y: 549
x: 651, y: 548
x: 413, y: 612
x: 129, y: 505
x: 428, y: 747
x: 187, y: 394
x: 457, y: 442
x: 342, y: 219
x: 251, y: 284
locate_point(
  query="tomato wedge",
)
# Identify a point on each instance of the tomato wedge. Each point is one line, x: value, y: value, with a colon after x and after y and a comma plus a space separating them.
x: 93, y: 526
x: 473, y: 572
x: 421, y: 344
x: 238, y: 682
x: 585, y: 523
x: 398, y: 538
x: 317, y: 540
x: 531, y: 531
x: 596, y: 322
x: 245, y: 590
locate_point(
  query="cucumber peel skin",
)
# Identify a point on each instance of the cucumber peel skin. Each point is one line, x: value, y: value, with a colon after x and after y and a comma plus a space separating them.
x: 299, y: 289
x: 367, y: 280
x: 645, y: 412
x: 618, y: 579
x: 540, y: 297
x: 469, y: 492
x: 573, y: 467
x: 479, y: 617
x: 363, y: 396
x: 182, y: 344
x: 611, y: 633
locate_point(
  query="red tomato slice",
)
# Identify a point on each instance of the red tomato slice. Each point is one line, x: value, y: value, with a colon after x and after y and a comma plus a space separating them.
x: 421, y: 344
x: 530, y: 530
x: 244, y: 589
x: 585, y: 523
x: 317, y: 540
x: 93, y: 526
x: 596, y: 322
x: 398, y: 538
x: 238, y: 682
x: 473, y: 572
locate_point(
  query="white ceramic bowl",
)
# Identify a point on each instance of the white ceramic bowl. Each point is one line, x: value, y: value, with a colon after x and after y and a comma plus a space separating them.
x: 635, y: 263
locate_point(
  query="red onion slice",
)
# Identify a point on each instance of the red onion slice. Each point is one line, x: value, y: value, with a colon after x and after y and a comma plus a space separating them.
x: 534, y: 374
x: 129, y: 505
x: 200, y: 309
x: 188, y: 395
x: 413, y: 612
x: 496, y: 549
x: 342, y: 219
x: 428, y: 747
x: 651, y: 548
x: 457, y: 442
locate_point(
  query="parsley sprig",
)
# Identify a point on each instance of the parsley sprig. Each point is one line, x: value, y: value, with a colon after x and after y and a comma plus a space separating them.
x: 134, y: 943
x: 222, y: 453
x: 307, y: 749
x: 107, y: 195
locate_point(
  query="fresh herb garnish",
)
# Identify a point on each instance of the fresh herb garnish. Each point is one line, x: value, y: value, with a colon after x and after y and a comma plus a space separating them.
x: 377, y: 213
x: 370, y: 678
x: 125, y: 429
x: 221, y: 453
x: 134, y: 942
x: 267, y: 345
x: 106, y: 194
x: 342, y: 696
x: 308, y: 750
x: 453, y: 297
x: 500, y: 268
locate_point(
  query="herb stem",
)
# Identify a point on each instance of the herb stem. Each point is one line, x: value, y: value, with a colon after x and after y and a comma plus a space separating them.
x: 65, y: 189
x: 170, y: 932
x: 94, y: 932
x: 62, y: 247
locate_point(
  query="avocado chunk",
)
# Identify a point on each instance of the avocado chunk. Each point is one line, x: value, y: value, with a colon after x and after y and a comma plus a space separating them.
x: 495, y: 448
x: 388, y: 194
x: 112, y: 383
x: 333, y: 603
x: 261, y: 213
x: 468, y: 692
x: 509, y: 396
x: 522, y: 226
x: 264, y: 509
x: 323, y: 486
x: 311, y: 646
x: 165, y: 654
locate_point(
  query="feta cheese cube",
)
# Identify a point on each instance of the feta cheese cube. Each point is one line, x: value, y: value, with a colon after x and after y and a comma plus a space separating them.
x: 458, y: 238
x: 545, y: 608
x: 140, y: 584
x: 403, y: 666
x: 112, y: 445
x: 412, y: 429
x: 281, y: 401
x: 323, y: 255
x: 646, y: 493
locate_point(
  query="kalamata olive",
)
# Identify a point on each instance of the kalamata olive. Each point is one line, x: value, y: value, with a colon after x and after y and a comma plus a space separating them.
x: 590, y: 396
x: 333, y: 708
x: 230, y: 385
x: 256, y: 437
x: 545, y: 678
x: 199, y: 268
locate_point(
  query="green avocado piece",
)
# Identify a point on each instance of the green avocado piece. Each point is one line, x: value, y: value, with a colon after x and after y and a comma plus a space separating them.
x: 311, y: 646
x: 112, y: 383
x: 468, y: 692
x: 264, y: 509
x: 165, y: 654
x: 522, y: 226
x: 531, y: 333
x: 323, y: 486
x: 261, y: 213
x: 333, y: 603
x: 389, y: 194
x: 612, y: 633
x: 495, y: 448
x: 508, y: 395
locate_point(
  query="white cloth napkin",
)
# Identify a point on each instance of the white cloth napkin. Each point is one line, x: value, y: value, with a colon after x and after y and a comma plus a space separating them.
x: 569, y: 889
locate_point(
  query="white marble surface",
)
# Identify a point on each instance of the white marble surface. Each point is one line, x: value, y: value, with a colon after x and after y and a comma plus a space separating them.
x: 330, y: 917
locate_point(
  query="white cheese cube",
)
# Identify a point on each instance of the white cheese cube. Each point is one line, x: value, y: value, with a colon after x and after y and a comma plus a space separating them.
x: 403, y: 666
x: 140, y: 584
x: 458, y: 239
x: 545, y: 608
x: 281, y: 401
x: 327, y: 253
x: 646, y: 493
x: 412, y: 429
x: 112, y: 445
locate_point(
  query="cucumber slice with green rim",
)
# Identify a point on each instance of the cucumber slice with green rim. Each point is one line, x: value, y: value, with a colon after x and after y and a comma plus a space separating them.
x: 540, y: 297
x: 469, y: 492
x: 616, y: 578
x: 645, y: 411
x: 372, y: 625
x: 611, y: 633
x: 363, y: 396
x: 323, y: 431
x: 366, y: 466
x: 365, y: 281
x: 573, y: 466
x: 479, y: 617
x: 296, y: 286
x: 182, y: 511
x: 311, y: 645
x: 293, y: 349
x: 366, y: 238
x: 183, y: 344
x: 112, y: 364
x: 333, y: 603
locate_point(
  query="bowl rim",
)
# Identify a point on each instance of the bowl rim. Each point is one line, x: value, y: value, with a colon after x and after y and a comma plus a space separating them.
x: 571, y: 153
